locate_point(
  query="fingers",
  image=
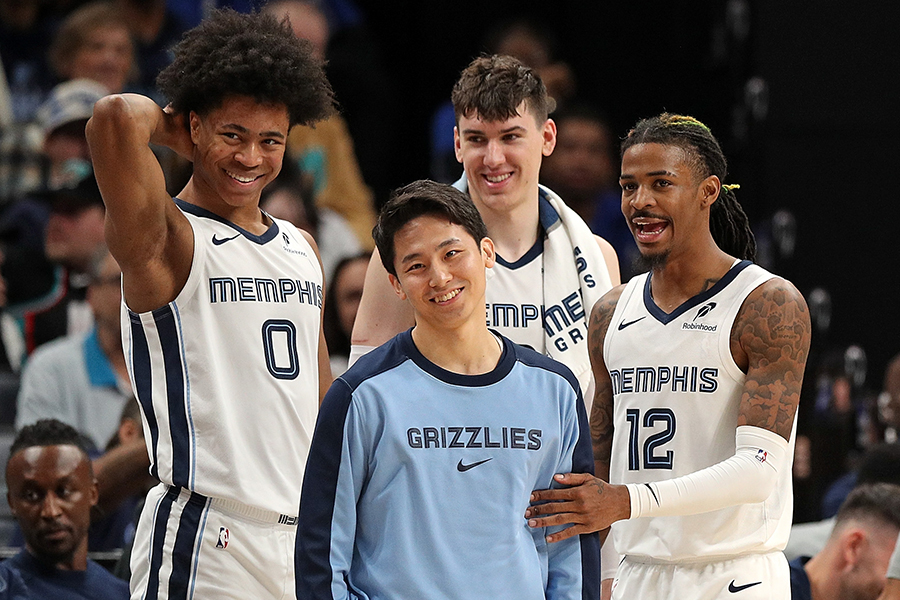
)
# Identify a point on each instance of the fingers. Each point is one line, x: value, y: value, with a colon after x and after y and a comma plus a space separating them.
x: 551, y: 508
x: 573, y: 478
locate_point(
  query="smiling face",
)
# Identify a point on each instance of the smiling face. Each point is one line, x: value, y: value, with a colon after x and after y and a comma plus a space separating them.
x: 239, y: 150
x: 51, y: 492
x: 106, y: 56
x: 502, y: 159
x: 440, y: 270
x: 664, y: 203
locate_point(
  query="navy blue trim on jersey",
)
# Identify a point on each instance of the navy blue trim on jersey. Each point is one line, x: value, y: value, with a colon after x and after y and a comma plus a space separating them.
x: 158, y: 541
x: 140, y: 363
x: 197, y: 211
x: 504, y: 365
x: 312, y: 547
x: 546, y: 213
x: 178, y: 424
x: 666, y: 318
x: 526, y: 258
x: 183, y: 550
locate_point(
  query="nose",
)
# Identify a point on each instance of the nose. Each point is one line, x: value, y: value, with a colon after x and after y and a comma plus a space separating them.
x: 642, y: 198
x: 493, y: 154
x: 249, y: 155
x: 440, y: 275
x: 50, y: 508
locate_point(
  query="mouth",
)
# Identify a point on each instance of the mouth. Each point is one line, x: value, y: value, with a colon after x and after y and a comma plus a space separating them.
x: 55, y: 535
x: 497, y: 179
x: 648, y: 229
x: 243, y: 179
x: 447, y: 297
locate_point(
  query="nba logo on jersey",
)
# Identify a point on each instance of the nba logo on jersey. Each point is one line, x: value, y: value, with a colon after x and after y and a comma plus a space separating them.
x: 761, y: 455
x: 223, y: 538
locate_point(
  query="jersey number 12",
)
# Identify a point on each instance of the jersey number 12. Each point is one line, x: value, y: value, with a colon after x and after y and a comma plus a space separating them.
x: 651, y: 458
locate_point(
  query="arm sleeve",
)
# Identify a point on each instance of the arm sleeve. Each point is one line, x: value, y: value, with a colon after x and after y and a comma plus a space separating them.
x: 574, y: 564
x: 332, y: 484
x: 747, y: 477
x: 893, y: 571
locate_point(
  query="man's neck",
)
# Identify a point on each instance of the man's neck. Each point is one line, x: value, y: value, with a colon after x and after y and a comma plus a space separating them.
x: 249, y: 217
x: 682, y: 277
x: 467, y: 350
x: 515, y: 231
x: 110, y: 342
x: 77, y: 561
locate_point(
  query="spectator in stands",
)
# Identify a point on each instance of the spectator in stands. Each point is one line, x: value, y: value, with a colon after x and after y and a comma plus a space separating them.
x: 326, y: 150
x: 81, y: 379
x: 344, y: 294
x: 94, y: 42
x: 51, y: 492
x: 854, y: 562
x: 584, y: 169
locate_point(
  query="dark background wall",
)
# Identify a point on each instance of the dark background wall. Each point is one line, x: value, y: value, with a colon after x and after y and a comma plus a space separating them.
x: 826, y: 149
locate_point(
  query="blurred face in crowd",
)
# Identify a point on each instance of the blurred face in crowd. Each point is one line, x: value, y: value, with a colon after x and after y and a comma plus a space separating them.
x: 73, y: 235
x: 104, y: 294
x: 106, y: 56
x: 348, y: 288
x: 581, y: 163
x: 51, y: 492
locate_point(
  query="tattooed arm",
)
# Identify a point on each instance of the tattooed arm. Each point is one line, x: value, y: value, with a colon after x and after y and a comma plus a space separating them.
x: 591, y: 504
x: 770, y: 342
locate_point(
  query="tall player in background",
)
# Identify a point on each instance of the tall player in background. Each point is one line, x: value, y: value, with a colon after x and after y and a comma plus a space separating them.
x: 222, y: 326
x: 698, y: 366
x: 550, y: 268
x: 427, y: 449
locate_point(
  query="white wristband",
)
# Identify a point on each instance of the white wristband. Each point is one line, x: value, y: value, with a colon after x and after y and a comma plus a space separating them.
x: 747, y: 477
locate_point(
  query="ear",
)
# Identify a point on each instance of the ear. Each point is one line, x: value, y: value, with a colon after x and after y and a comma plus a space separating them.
x: 94, y: 493
x: 456, y: 145
x: 12, y: 508
x: 398, y: 289
x: 709, y: 190
x: 488, y: 252
x: 853, y: 544
x: 194, y: 122
x: 549, y: 134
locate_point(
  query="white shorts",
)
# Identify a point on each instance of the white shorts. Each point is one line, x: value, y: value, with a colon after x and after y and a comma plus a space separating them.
x: 190, y: 546
x: 750, y: 577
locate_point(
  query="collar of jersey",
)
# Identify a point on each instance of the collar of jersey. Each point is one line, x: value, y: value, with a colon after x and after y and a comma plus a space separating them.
x: 197, y: 211
x: 666, y: 318
x: 504, y: 365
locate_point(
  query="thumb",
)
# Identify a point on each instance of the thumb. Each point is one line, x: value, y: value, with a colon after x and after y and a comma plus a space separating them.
x: 573, y: 478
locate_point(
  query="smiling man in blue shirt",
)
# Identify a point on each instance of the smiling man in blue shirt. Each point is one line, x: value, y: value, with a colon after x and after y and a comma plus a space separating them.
x: 426, y: 450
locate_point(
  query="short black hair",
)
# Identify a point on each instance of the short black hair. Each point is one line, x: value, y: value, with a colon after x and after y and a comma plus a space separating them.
x: 48, y: 432
x: 423, y: 197
x: 253, y: 55
x: 494, y: 86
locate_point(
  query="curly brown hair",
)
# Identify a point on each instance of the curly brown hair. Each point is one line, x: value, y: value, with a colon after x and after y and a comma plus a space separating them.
x: 252, y: 55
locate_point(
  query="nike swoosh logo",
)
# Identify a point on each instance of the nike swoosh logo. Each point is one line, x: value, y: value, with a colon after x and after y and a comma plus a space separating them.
x: 737, y: 588
x: 219, y: 241
x: 463, y: 468
x: 623, y: 324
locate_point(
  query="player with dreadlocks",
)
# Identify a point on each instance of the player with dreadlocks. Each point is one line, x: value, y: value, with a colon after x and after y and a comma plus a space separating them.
x: 698, y: 365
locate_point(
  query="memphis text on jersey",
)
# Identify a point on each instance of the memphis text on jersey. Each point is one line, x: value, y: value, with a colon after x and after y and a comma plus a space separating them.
x: 652, y: 380
x: 262, y: 289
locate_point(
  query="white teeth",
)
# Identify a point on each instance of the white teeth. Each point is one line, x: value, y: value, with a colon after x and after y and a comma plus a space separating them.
x: 239, y: 178
x: 447, y: 296
x: 498, y: 178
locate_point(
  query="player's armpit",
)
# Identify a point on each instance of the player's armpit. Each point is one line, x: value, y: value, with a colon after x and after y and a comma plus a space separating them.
x: 601, y: 417
x: 770, y: 341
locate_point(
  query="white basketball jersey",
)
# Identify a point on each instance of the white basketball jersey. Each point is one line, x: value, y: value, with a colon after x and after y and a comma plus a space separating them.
x: 676, y: 392
x: 226, y: 374
x: 514, y: 299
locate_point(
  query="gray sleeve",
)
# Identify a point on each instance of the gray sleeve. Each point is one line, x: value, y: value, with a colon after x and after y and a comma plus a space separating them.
x: 894, y: 567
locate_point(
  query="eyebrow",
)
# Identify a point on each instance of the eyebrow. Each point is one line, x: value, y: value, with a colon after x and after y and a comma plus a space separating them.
x: 242, y: 129
x: 414, y: 255
x: 503, y: 131
x: 650, y: 174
